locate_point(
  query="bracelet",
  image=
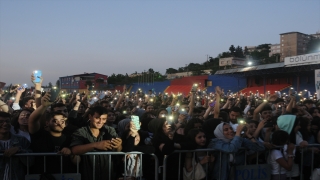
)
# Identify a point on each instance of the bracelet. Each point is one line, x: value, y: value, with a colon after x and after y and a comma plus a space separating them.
x: 38, y: 92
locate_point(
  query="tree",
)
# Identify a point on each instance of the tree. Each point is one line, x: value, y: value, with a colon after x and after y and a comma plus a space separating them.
x: 181, y: 69
x: 239, y: 52
x: 246, y: 51
x: 151, y: 70
x: 57, y: 84
x: 171, y: 71
x: 50, y: 85
x: 225, y: 55
x: 232, y: 50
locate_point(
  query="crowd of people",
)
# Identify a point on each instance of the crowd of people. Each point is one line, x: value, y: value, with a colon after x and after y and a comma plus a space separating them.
x: 236, y: 129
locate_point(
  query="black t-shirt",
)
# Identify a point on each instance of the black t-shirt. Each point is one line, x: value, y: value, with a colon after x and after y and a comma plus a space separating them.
x: 43, y: 141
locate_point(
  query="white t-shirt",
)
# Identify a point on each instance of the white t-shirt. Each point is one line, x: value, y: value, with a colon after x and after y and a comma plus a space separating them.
x: 277, y: 154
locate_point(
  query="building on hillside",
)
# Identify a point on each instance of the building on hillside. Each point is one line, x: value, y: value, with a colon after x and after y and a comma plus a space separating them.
x: 251, y: 48
x: 293, y: 44
x: 179, y: 75
x: 274, y: 49
x: 78, y: 82
x: 316, y: 35
x: 233, y: 62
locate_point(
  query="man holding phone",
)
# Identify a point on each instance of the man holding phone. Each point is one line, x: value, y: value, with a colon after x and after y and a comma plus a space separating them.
x: 95, y: 137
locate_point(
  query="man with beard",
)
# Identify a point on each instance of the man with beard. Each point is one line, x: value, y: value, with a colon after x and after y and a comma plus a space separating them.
x: 50, y: 140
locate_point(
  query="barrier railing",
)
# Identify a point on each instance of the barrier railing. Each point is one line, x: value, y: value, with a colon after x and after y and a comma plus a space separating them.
x: 77, y: 175
x: 180, y: 152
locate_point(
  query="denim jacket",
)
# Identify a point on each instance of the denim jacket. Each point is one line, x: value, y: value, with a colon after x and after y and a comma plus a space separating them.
x: 227, y: 148
x: 18, y: 163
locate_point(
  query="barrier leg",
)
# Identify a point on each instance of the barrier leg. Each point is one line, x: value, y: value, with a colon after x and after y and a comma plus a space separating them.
x: 141, y: 166
x: 193, y: 165
x: 179, y: 166
x: 27, y: 165
x: 109, y: 166
x: 44, y: 164
x: 61, y: 164
x: 94, y: 168
x: 312, y: 161
x: 220, y: 166
x: 125, y: 167
x: 156, y: 164
x: 164, y: 167
x: 207, y: 166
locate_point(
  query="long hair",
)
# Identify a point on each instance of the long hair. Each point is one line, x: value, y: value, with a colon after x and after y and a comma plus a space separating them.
x: 292, y: 133
x: 15, y: 119
x: 192, y: 135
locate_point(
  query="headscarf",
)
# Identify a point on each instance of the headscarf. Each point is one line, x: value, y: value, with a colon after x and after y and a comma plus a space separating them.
x: 122, y: 126
x: 286, y: 122
x: 218, y: 132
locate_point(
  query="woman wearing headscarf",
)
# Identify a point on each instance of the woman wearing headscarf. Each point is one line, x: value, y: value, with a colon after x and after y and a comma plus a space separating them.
x: 130, y: 139
x: 291, y: 124
x: 229, y: 143
x: 164, y: 145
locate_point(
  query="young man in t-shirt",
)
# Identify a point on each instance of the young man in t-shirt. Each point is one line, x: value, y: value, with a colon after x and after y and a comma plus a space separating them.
x: 95, y: 137
x: 50, y: 140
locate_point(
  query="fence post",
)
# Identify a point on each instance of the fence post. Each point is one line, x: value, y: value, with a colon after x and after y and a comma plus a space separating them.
x: 156, y: 166
x: 179, y: 165
x: 94, y: 167
x: 164, y: 167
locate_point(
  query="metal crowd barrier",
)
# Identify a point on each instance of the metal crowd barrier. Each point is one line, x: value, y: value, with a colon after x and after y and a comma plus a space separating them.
x: 77, y: 175
x: 302, y: 151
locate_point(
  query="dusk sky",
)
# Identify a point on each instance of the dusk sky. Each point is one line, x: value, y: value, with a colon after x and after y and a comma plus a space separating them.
x: 66, y: 37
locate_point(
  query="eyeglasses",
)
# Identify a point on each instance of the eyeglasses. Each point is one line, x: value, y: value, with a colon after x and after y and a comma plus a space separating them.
x: 4, y: 121
x: 111, y: 115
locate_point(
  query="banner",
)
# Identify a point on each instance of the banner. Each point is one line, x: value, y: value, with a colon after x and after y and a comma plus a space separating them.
x: 313, y: 58
x: 317, y: 82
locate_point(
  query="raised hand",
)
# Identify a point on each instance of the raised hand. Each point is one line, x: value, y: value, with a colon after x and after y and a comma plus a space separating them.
x: 45, y: 100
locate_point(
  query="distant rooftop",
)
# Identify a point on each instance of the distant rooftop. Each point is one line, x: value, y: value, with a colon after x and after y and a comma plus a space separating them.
x: 293, y: 33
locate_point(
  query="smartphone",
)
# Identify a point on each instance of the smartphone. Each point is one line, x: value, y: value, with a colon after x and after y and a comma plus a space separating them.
x: 241, y: 121
x: 54, y: 92
x: 194, y: 88
x: 24, y: 86
x: 268, y: 124
x: 169, y: 119
x: 102, y: 95
x: 136, y: 121
x: 212, y: 104
x: 37, y: 75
